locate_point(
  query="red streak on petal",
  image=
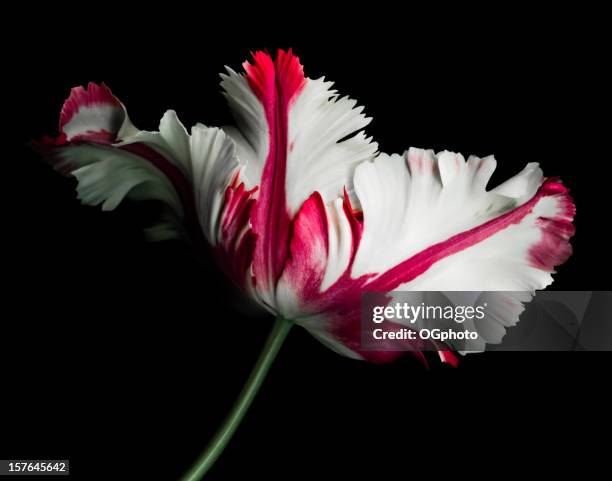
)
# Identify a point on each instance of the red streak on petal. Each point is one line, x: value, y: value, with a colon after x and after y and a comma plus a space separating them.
x: 235, y: 251
x: 101, y: 136
x: 276, y: 84
x: 421, y: 262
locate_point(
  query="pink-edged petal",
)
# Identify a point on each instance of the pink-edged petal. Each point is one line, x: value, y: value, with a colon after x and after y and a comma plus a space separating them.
x: 553, y: 248
x: 93, y: 114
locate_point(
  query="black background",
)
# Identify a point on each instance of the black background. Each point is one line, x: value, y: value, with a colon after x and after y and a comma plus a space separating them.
x: 124, y: 356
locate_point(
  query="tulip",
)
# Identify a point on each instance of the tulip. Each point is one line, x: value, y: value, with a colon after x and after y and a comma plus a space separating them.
x: 303, y: 213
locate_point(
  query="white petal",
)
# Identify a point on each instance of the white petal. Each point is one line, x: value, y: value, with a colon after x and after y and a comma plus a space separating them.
x: 317, y: 160
x: 212, y: 164
x: 107, y: 175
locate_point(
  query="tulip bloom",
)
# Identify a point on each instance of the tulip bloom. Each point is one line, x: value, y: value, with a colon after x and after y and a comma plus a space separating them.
x: 304, y: 214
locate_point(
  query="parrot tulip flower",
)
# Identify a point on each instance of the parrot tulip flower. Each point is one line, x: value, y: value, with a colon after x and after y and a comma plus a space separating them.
x: 304, y: 214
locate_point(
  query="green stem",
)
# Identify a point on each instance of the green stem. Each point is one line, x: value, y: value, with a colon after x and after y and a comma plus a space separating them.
x: 232, y: 421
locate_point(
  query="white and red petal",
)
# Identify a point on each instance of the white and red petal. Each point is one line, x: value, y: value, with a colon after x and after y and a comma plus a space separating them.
x: 93, y: 114
x: 300, y: 284
x: 297, y: 137
x: 275, y: 85
x: 236, y: 240
x: 413, y: 201
x: 485, y: 238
